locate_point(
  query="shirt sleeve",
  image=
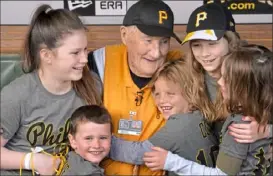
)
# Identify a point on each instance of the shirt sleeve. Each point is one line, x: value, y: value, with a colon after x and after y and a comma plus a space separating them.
x: 129, y: 151
x: 181, y: 166
x: 229, y: 145
x: 168, y: 135
x: 233, y: 148
x: 10, y: 110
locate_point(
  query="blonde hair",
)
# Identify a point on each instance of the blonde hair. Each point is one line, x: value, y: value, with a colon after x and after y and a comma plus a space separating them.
x: 178, y: 71
x: 217, y: 109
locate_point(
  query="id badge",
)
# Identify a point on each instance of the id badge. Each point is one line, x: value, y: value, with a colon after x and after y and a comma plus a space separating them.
x: 131, y: 127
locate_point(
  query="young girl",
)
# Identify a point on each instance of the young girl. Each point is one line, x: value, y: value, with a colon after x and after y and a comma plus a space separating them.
x: 246, y: 85
x: 211, y: 35
x: 187, y: 131
x: 35, y: 108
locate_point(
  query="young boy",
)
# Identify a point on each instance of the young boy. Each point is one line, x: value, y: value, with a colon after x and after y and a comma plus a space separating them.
x: 90, y: 138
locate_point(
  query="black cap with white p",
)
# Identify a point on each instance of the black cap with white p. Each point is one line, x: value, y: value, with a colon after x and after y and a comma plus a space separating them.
x: 209, y: 22
x: 152, y: 17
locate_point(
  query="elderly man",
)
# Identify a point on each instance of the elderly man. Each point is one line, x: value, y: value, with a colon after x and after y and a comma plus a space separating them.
x: 126, y: 70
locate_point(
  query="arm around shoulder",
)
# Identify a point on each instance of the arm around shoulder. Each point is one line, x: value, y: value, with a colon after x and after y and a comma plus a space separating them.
x: 129, y: 151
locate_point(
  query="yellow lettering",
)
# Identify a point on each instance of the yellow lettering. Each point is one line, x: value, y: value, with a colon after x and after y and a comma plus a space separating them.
x: 34, y: 132
x: 242, y: 6
x: 43, y: 134
x: 205, y: 129
x: 210, y: 1
x: 162, y: 15
x: 200, y: 17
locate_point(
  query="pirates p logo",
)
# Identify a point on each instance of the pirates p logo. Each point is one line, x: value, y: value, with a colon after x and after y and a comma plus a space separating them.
x: 200, y: 17
x: 162, y: 15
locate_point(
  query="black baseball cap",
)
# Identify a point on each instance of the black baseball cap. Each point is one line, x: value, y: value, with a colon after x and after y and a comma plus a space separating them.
x: 152, y: 17
x: 209, y: 22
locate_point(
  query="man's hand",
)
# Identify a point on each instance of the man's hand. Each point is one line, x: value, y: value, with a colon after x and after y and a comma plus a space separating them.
x: 155, y: 159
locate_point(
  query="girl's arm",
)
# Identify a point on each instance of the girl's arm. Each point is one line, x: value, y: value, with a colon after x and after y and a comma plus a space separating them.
x: 129, y: 151
x: 133, y: 151
x: 43, y: 164
x: 11, y: 100
x: 8, y: 160
x: 182, y: 166
x: 160, y: 159
x: 250, y: 132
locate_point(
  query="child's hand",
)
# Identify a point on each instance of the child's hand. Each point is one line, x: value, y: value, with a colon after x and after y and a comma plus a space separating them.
x: 248, y: 133
x: 43, y: 164
x: 155, y: 159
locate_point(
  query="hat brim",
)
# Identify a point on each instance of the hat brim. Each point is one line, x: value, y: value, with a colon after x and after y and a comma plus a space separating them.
x: 158, y: 31
x: 208, y: 34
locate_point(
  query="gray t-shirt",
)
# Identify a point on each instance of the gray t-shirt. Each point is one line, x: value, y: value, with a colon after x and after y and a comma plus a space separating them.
x: 31, y: 116
x: 211, y: 85
x: 76, y: 165
x: 251, y: 154
x: 187, y: 135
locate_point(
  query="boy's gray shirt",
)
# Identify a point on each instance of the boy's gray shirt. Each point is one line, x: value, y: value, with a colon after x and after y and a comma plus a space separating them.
x: 187, y: 135
x: 76, y: 165
x: 31, y: 116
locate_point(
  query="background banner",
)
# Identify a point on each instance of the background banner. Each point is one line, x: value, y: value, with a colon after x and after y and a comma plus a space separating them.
x: 246, y: 6
x: 111, y: 12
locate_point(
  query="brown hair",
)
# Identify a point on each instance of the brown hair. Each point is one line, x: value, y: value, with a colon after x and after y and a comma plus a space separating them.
x: 89, y: 113
x: 47, y: 28
x: 217, y: 108
x: 248, y: 75
x: 178, y: 71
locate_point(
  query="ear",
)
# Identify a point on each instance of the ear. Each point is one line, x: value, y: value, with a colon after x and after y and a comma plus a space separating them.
x: 72, y: 141
x: 46, y: 55
x: 123, y: 33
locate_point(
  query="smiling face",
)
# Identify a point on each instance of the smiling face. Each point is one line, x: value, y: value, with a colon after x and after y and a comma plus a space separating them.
x: 209, y: 54
x: 145, y: 53
x: 168, y: 97
x: 92, y: 141
x: 70, y: 57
